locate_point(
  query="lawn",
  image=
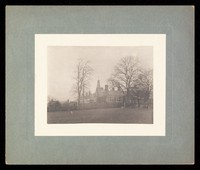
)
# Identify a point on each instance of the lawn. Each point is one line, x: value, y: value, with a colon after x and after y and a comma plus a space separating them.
x: 108, y: 115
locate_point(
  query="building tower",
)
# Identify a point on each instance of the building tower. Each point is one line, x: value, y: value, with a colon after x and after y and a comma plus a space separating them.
x: 98, y: 91
x: 98, y: 86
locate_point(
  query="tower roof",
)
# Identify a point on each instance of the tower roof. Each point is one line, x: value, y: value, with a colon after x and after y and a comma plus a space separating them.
x: 98, y: 84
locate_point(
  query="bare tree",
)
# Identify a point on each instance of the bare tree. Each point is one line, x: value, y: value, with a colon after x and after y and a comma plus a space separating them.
x: 145, y: 82
x: 82, y: 78
x: 125, y: 73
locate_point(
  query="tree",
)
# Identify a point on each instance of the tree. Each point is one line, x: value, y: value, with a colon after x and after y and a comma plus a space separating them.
x: 145, y: 81
x: 125, y: 74
x: 144, y: 84
x: 53, y: 105
x: 82, y: 79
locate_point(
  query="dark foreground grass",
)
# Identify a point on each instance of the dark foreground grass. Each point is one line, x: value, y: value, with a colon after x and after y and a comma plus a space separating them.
x: 109, y: 115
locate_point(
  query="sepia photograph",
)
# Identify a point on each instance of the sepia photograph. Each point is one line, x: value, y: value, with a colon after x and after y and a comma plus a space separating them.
x: 100, y: 84
x: 86, y: 83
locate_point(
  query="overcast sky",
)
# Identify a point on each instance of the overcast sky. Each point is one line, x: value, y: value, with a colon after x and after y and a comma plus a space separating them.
x: 62, y: 60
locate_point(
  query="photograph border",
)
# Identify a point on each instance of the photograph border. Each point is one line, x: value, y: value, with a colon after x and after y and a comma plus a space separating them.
x: 158, y: 41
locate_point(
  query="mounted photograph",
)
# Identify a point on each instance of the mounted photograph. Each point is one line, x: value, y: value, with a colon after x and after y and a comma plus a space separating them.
x: 100, y: 84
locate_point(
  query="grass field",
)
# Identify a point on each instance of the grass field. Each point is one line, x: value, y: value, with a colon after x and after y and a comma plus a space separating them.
x: 108, y: 115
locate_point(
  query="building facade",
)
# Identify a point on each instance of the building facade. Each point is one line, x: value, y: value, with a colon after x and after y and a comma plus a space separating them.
x: 103, y: 95
x: 134, y: 96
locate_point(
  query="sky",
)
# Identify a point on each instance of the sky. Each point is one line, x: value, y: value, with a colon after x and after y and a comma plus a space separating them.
x: 62, y: 61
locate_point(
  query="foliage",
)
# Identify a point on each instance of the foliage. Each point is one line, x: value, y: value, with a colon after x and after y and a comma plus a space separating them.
x: 145, y: 83
x: 125, y: 73
x: 134, y: 81
x: 53, y: 105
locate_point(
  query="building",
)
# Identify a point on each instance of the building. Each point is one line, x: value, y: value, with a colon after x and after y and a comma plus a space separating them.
x: 115, y: 97
x: 103, y: 95
x: 108, y: 96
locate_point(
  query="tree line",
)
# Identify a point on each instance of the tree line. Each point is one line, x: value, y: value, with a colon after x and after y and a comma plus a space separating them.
x: 135, y: 82
x: 128, y: 75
